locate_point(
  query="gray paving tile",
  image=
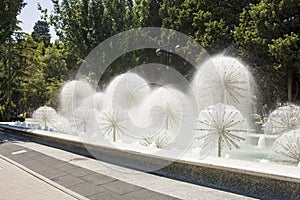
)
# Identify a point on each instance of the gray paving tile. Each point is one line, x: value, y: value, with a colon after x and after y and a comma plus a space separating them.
x: 4, y: 151
x: 20, y: 157
x: 34, y: 154
x: 120, y: 187
x: 146, y: 195
x: 12, y: 147
x: 98, y: 179
x: 68, y: 180
x: 39, y: 167
x: 87, y: 189
x: 32, y: 164
x: 107, y: 195
x: 65, y: 166
x: 53, y: 173
x: 54, y: 163
x: 78, y: 171
x: 45, y: 159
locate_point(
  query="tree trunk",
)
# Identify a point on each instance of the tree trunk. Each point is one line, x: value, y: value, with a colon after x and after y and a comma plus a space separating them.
x: 9, y: 93
x: 290, y: 85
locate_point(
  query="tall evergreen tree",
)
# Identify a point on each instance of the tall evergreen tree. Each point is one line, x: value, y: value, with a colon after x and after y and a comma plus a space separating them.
x: 268, y: 38
x: 83, y: 24
x: 41, y: 32
x: 9, y: 10
x: 210, y: 22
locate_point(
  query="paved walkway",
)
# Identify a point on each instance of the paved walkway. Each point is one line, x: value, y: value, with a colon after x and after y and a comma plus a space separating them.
x: 17, y: 184
x: 58, y: 174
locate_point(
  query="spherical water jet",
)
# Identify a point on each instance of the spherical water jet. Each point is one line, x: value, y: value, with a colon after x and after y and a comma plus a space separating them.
x: 45, y: 116
x: 72, y: 95
x: 160, y: 140
x: 167, y: 109
x: 283, y: 119
x: 63, y: 125
x: 127, y: 90
x: 286, y: 148
x: 222, y: 126
x: 98, y: 101
x: 113, y: 122
x: 83, y: 119
x: 226, y: 80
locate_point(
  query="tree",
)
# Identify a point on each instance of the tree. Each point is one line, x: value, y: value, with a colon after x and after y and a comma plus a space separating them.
x: 41, y: 32
x: 35, y: 76
x: 9, y: 9
x: 264, y: 29
x: 83, y: 24
x: 146, y: 13
x: 286, y: 52
x: 55, y: 72
x: 211, y: 23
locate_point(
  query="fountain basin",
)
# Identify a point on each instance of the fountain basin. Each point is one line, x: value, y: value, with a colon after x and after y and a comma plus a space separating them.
x: 253, y: 138
x: 260, y: 180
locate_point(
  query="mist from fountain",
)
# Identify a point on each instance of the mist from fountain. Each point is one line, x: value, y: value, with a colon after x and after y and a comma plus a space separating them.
x: 127, y: 90
x: 223, y: 79
x: 261, y: 143
x: 283, y: 119
x: 286, y: 148
x: 72, y: 95
x: 45, y: 116
x: 133, y: 111
x: 98, y: 101
x: 221, y: 126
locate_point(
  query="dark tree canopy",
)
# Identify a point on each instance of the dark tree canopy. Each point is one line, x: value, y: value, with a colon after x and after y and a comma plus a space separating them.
x: 41, y: 32
x: 9, y: 10
x: 265, y: 34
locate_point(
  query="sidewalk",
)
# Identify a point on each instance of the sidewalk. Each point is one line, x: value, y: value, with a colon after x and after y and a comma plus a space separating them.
x: 91, y: 178
x: 17, y: 184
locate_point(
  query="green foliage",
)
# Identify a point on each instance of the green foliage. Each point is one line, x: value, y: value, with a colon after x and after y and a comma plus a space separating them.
x: 286, y: 51
x: 146, y: 13
x: 211, y: 23
x: 267, y: 37
x: 264, y: 33
x: 83, y: 24
x: 9, y: 10
x: 41, y: 32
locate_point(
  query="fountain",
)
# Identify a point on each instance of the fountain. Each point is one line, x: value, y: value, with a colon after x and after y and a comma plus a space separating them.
x: 63, y: 125
x: 149, y: 127
x: 261, y: 141
x: 45, y: 116
x: 220, y: 125
x: 283, y: 119
x: 127, y: 90
x: 286, y: 148
x: 97, y: 101
x: 72, y: 95
x: 224, y: 79
x: 134, y: 113
x: 113, y: 122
